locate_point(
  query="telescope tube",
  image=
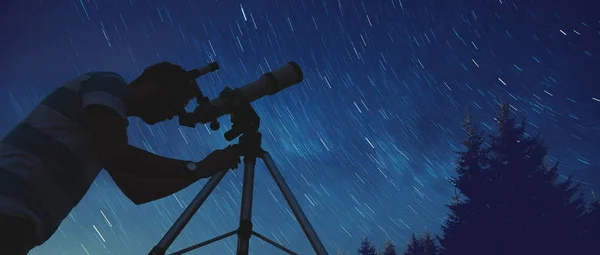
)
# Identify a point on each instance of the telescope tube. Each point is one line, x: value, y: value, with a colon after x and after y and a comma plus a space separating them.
x: 268, y: 84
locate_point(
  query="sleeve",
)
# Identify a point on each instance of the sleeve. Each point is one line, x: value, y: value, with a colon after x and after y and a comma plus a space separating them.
x: 104, y: 88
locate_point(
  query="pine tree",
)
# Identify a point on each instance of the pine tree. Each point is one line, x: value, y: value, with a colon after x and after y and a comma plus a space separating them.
x: 471, y: 178
x: 425, y: 245
x: 389, y: 248
x: 429, y: 245
x: 366, y: 248
x: 467, y: 214
x: 414, y: 247
x: 513, y: 203
x: 535, y: 212
x: 592, y: 226
x: 594, y: 218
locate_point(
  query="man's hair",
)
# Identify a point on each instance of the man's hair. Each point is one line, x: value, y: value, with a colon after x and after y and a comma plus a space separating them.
x: 171, y: 78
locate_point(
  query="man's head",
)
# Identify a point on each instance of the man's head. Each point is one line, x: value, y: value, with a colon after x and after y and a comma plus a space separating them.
x: 160, y: 92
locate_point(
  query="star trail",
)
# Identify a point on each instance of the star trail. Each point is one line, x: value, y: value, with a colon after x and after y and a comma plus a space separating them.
x: 366, y: 142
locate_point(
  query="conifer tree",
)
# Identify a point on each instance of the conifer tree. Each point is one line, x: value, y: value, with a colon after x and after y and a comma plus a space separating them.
x: 535, y: 212
x: 468, y: 209
x: 513, y: 202
x: 591, y: 230
x: 471, y: 165
x: 414, y: 247
x: 366, y: 248
x: 429, y: 245
x: 388, y: 248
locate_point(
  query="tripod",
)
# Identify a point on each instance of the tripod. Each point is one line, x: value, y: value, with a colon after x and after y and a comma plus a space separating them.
x: 245, y: 123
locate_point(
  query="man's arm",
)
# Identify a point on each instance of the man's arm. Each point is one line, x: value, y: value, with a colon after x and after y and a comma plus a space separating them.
x: 143, y: 190
x: 125, y: 163
x: 141, y: 187
x: 140, y: 163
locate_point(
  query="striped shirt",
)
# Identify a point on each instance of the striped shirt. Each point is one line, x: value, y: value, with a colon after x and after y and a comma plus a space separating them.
x: 46, y: 162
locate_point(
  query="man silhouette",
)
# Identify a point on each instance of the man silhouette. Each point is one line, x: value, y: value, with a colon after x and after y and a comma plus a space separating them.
x: 50, y: 159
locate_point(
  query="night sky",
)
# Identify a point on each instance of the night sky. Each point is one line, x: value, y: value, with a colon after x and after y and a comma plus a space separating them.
x: 365, y: 142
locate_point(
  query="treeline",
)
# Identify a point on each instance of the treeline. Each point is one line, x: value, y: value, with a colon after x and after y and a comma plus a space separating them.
x: 508, y: 200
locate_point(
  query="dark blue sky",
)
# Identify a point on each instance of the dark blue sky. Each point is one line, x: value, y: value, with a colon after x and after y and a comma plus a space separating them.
x: 365, y: 142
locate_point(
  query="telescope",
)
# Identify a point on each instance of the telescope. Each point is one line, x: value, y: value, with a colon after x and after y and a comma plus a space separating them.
x: 246, y: 123
x: 208, y: 111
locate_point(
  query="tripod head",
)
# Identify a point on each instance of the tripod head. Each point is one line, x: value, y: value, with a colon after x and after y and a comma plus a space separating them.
x: 237, y: 101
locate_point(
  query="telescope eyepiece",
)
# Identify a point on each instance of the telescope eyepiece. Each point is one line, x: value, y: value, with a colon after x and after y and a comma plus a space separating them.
x: 211, y: 67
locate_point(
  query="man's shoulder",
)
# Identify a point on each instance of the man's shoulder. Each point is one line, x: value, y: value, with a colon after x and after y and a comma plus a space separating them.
x: 104, y: 75
x: 108, y: 82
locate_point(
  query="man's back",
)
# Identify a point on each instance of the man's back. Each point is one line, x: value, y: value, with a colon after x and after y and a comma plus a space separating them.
x: 46, y: 162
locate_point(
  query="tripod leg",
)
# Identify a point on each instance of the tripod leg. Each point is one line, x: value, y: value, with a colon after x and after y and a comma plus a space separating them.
x: 193, y: 247
x: 185, y: 217
x: 274, y: 243
x: 294, y: 205
x: 245, y: 230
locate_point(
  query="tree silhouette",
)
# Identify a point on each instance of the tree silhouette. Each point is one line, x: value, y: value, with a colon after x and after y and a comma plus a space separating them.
x: 388, y: 248
x: 539, y: 214
x: 592, y: 225
x: 429, y: 245
x: 472, y: 177
x: 366, y: 248
x: 468, y: 215
x: 422, y: 246
x: 414, y: 247
x: 513, y: 203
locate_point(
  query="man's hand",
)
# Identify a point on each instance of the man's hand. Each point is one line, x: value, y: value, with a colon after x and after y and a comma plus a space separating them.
x: 217, y: 161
